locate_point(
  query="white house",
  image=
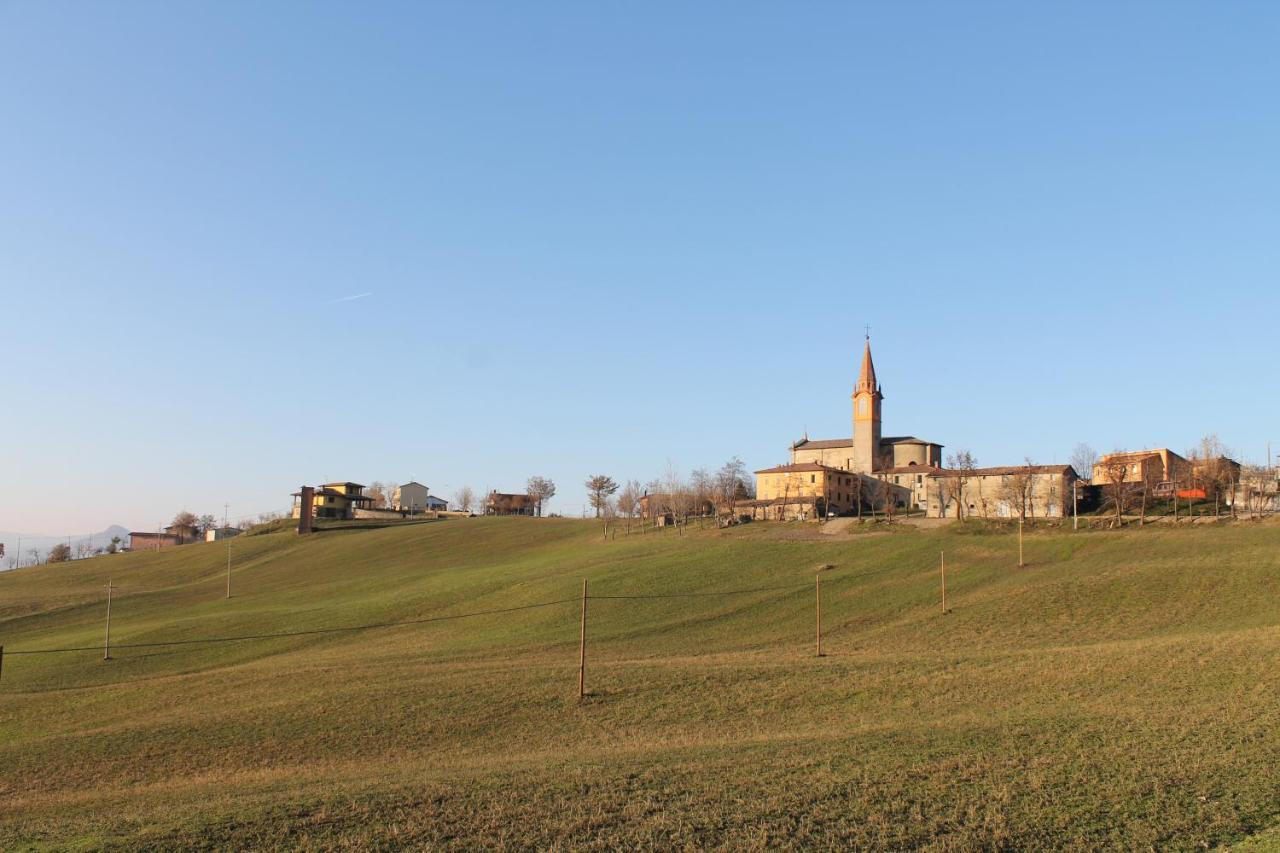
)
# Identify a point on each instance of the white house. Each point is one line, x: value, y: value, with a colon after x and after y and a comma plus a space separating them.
x: 411, y: 497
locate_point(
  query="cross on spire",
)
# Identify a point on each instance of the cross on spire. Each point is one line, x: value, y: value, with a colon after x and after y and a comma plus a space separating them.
x: 868, y: 328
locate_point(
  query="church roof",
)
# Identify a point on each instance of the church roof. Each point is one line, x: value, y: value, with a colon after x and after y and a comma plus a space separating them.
x: 831, y: 443
x: 797, y: 467
x: 1007, y: 469
x: 906, y: 439
x: 823, y: 443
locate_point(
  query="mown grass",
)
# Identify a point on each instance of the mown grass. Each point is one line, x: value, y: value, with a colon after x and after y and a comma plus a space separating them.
x: 1118, y: 691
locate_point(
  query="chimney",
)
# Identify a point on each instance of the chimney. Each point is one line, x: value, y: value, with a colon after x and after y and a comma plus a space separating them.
x: 307, y: 499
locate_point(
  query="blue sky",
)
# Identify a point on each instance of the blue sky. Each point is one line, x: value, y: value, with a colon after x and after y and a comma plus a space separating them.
x: 601, y: 236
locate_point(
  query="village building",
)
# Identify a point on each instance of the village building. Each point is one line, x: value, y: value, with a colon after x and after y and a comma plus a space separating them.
x: 435, y: 504
x: 809, y: 490
x: 1166, y: 473
x: 335, y: 501
x: 174, y: 534
x: 509, y: 503
x: 410, y: 497
x: 1159, y: 465
x: 217, y: 534
x: 1026, y: 492
x: 142, y: 540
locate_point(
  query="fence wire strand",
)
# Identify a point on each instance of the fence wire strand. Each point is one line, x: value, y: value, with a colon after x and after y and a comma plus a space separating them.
x: 301, y: 633
x: 421, y: 621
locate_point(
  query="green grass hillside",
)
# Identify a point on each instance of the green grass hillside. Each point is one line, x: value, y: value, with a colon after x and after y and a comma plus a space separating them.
x: 1120, y: 690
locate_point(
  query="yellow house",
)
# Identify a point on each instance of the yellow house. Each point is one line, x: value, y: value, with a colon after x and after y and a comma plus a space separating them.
x: 336, y: 500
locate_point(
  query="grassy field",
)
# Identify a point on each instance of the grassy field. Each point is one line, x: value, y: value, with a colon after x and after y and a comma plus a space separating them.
x: 1122, y: 690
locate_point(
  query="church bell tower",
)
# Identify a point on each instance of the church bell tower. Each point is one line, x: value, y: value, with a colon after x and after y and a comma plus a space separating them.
x: 866, y: 416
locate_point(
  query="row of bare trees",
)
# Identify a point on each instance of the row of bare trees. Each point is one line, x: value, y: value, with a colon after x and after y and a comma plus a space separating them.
x: 672, y: 498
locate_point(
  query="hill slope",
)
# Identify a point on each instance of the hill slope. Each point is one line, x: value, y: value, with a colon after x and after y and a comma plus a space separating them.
x: 1119, y: 690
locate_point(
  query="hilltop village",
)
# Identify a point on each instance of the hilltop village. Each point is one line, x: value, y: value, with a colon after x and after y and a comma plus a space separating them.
x: 866, y: 475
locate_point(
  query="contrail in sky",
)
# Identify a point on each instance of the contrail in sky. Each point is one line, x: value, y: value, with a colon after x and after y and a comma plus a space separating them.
x: 348, y: 298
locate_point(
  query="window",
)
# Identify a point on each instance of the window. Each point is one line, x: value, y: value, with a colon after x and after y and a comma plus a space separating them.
x: 919, y: 479
x: 813, y: 478
x: 895, y: 479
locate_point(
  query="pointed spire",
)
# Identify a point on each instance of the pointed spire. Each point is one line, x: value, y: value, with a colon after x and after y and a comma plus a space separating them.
x: 867, y: 376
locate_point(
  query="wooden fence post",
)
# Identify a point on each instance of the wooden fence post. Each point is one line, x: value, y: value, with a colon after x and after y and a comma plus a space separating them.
x: 582, y: 647
x: 1021, y: 562
x: 817, y: 581
x: 944, y: 582
x: 106, y: 640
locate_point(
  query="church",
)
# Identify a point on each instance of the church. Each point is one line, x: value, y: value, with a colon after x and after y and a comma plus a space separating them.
x: 842, y: 475
x: 867, y: 451
x: 871, y: 471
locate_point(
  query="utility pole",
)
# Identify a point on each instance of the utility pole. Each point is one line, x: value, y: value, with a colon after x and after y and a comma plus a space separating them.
x: 943, y: 554
x: 106, y: 640
x: 582, y: 647
x: 1075, y: 504
x: 226, y: 531
x: 818, y: 591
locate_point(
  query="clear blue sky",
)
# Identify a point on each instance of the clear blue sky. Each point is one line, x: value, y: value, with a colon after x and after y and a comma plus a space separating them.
x: 598, y: 236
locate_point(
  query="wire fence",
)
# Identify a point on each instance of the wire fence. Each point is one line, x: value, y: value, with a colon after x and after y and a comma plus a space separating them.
x: 300, y: 633
x: 106, y: 647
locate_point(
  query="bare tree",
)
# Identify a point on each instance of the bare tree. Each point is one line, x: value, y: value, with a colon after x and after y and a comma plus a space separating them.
x: 59, y: 553
x: 600, y: 487
x: 1083, y: 458
x: 540, y: 489
x: 464, y: 499
x: 1148, y: 478
x: 883, y: 493
x: 609, y: 512
x: 381, y: 493
x: 962, y: 464
x: 1115, y: 470
x: 1017, y: 489
x: 629, y: 500
x: 114, y: 545
x: 206, y: 523
x: 1258, y: 484
x: 702, y: 490
x: 675, y: 497
x: 732, y: 484
x: 1213, y: 470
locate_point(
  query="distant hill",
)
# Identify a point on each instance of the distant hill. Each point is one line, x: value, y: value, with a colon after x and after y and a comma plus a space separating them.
x: 42, y: 542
